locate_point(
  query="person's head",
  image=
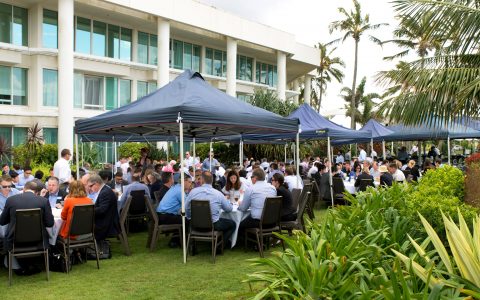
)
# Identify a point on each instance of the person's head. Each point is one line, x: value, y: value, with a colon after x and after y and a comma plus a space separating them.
x: 95, y: 183
x: 399, y: 163
x: 392, y: 168
x: 105, y: 175
x: 278, y: 180
x: 211, y: 154
x: 432, y: 148
x: 187, y: 154
x: 119, y: 177
x: 15, y: 176
x: 5, y: 167
x: 16, y: 167
x: 38, y: 174
x: 289, y: 171
x: 30, y: 186
x: 167, y: 178
x: 375, y: 165
x: 27, y: 171
x: 358, y: 168
x: 347, y: 165
x: 137, y: 174
x: 274, y: 166
x: 242, y: 173
x: 438, y: 162
x: 258, y: 175
x: 144, y: 152
x: 66, y: 154
x: 207, y: 178
x: 6, y: 184
x: 233, y: 181
x: 76, y: 189
x: 338, y: 167
x: 53, y: 185
x: 153, y: 177
x: 84, y: 181
x: 187, y: 181
x: 411, y: 163
x: 322, y: 168
x: 366, y: 165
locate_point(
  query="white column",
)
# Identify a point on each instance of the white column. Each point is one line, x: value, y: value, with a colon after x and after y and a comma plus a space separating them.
x: 35, y: 72
x: 254, y: 70
x: 163, y: 68
x: 295, y: 88
x: 135, y: 45
x: 203, y: 54
x: 231, y: 67
x: 308, y: 89
x: 281, y: 75
x: 134, y: 94
x: 35, y: 19
x: 65, y: 75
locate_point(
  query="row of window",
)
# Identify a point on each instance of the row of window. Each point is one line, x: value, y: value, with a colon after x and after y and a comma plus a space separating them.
x: 18, y: 135
x: 13, y: 25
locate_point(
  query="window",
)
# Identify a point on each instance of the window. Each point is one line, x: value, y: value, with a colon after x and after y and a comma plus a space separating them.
x: 6, y: 134
x: 14, y: 136
x: 125, y: 44
x: 13, y: 25
x: 124, y: 90
x: 50, y: 87
x: 147, y: 48
x: 99, y: 39
x: 50, y: 29
x: 216, y: 62
x: 50, y: 135
x: 118, y: 92
x: 93, y: 92
x: 144, y: 88
x: 244, y: 68
x: 100, y: 93
x: 82, y: 35
x: 13, y: 86
x: 186, y: 56
x: 244, y: 97
x: 266, y: 74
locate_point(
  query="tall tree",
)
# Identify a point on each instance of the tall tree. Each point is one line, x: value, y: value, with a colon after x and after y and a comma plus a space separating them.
x: 361, y: 99
x: 354, y: 25
x: 448, y: 84
x: 328, y: 69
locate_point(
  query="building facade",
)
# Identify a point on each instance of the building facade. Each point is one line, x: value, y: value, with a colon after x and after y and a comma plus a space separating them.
x: 63, y: 60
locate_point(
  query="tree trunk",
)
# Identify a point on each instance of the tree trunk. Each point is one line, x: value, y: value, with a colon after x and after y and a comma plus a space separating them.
x: 352, y: 115
x: 321, y: 92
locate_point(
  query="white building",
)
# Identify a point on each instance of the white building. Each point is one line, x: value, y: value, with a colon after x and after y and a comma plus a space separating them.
x: 62, y: 60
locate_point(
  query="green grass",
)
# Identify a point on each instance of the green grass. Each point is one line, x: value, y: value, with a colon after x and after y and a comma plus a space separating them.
x: 144, y: 275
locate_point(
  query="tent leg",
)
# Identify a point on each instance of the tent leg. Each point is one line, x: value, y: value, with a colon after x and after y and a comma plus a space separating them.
x: 383, y: 150
x: 448, y: 152
x: 182, y: 178
x: 113, y: 157
x: 240, y: 160
x: 371, y: 148
x: 330, y: 170
x: 194, y: 155
x: 210, y: 155
x: 298, y: 158
x: 285, y: 153
x: 77, y: 156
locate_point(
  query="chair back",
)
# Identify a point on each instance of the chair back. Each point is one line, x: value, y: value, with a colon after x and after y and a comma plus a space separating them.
x: 364, y: 183
x: 272, y: 210
x: 83, y: 219
x: 137, y: 203
x: 306, y: 181
x: 201, y: 215
x: 302, y: 206
x: 157, y: 196
x: 296, y: 196
x: 28, y: 226
x: 338, y: 186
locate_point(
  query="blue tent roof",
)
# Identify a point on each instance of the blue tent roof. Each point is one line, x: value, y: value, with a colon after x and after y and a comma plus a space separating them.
x: 470, y: 122
x: 430, y: 132
x: 377, y: 131
x: 205, y: 111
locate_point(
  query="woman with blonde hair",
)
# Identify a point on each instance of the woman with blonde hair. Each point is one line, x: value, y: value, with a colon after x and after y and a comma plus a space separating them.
x: 76, y: 196
x: 413, y: 170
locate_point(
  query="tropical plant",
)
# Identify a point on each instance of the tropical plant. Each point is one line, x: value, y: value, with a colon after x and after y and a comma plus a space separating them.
x: 268, y: 100
x: 354, y: 25
x: 5, y: 150
x: 328, y: 69
x: 34, y: 142
x: 448, y: 84
x: 437, y: 268
x: 365, y: 100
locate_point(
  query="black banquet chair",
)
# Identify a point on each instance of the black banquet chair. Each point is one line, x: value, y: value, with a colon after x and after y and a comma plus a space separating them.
x: 28, y: 238
x: 269, y: 223
x: 364, y: 183
x: 297, y: 224
x: 201, y: 226
x: 82, y: 224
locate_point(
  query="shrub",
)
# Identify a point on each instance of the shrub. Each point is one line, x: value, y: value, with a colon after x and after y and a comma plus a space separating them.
x: 45, y: 154
x: 131, y: 150
x: 45, y: 168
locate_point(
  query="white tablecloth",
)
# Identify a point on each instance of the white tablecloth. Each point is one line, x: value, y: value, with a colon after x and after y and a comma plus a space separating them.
x: 350, y: 186
x: 237, y: 216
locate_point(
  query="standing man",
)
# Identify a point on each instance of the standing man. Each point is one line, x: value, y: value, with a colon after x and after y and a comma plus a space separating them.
x: 206, y: 166
x: 189, y: 161
x: 217, y: 203
x: 53, y: 192
x: 363, y: 154
x: 7, y: 190
x: 61, y: 168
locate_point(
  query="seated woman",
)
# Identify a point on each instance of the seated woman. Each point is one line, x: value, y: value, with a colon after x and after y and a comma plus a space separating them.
x: 234, y: 187
x: 414, y: 172
x: 76, y: 196
x: 288, y: 210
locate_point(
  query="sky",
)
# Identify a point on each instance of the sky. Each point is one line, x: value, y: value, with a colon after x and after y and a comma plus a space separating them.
x: 309, y: 20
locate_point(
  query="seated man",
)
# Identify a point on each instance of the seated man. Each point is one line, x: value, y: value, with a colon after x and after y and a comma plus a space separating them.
x: 217, y: 202
x: 365, y: 175
x: 107, y: 221
x: 154, y: 184
x: 169, y: 208
x: 25, y: 177
x: 254, y: 199
x: 167, y: 179
x: 386, y: 179
x: 27, y: 200
x: 397, y: 175
x: 7, y: 190
x: 118, y: 183
x: 136, y: 185
x: 53, y: 192
x: 293, y: 181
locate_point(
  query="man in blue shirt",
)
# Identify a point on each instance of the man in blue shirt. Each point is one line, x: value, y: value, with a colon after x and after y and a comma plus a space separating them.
x: 169, y: 208
x: 53, y: 192
x: 136, y: 185
x: 26, y: 176
x: 6, y: 190
x: 217, y: 203
x: 254, y: 199
x: 206, y: 166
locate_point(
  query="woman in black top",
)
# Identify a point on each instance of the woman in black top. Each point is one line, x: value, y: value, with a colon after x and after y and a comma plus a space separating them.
x: 288, y: 211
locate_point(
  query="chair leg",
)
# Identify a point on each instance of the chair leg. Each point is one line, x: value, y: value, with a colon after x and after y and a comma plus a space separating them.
x: 153, y: 243
x: 96, y: 253
x: 214, y: 250
x: 10, y: 271
x: 66, y: 257
x: 47, y: 267
x: 260, y: 244
x: 124, y: 242
x: 188, y: 244
x: 150, y: 233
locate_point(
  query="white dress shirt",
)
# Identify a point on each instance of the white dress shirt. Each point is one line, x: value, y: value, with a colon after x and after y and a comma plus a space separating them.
x: 61, y: 170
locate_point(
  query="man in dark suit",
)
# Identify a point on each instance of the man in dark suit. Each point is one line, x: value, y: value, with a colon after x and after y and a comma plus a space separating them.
x: 386, y: 179
x: 118, y: 183
x: 53, y: 193
x: 364, y: 179
x: 325, y: 184
x: 106, y: 212
x: 27, y: 200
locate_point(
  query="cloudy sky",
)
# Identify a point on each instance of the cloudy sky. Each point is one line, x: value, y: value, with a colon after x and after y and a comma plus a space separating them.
x: 309, y: 21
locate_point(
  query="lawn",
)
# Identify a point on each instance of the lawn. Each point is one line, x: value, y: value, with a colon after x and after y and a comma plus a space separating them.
x: 144, y: 275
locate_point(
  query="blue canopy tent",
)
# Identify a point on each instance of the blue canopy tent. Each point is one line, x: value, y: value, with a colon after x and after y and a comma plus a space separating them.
x: 187, y: 106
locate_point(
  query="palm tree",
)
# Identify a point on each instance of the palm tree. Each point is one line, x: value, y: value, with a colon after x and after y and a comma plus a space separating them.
x: 5, y: 150
x: 34, y: 142
x: 448, y: 84
x: 354, y: 25
x: 327, y: 69
x: 366, y: 100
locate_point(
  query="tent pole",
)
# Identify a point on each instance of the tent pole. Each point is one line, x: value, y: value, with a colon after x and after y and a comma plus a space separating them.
x: 383, y: 150
x: 113, y: 157
x: 330, y: 170
x: 448, y: 145
x: 285, y: 153
x: 210, y: 154
x: 298, y: 157
x: 182, y: 178
x: 167, y: 151
x: 77, y: 156
x: 391, y: 152
x: 194, y: 155
x: 371, y: 147
x: 240, y: 153
x: 419, y: 152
